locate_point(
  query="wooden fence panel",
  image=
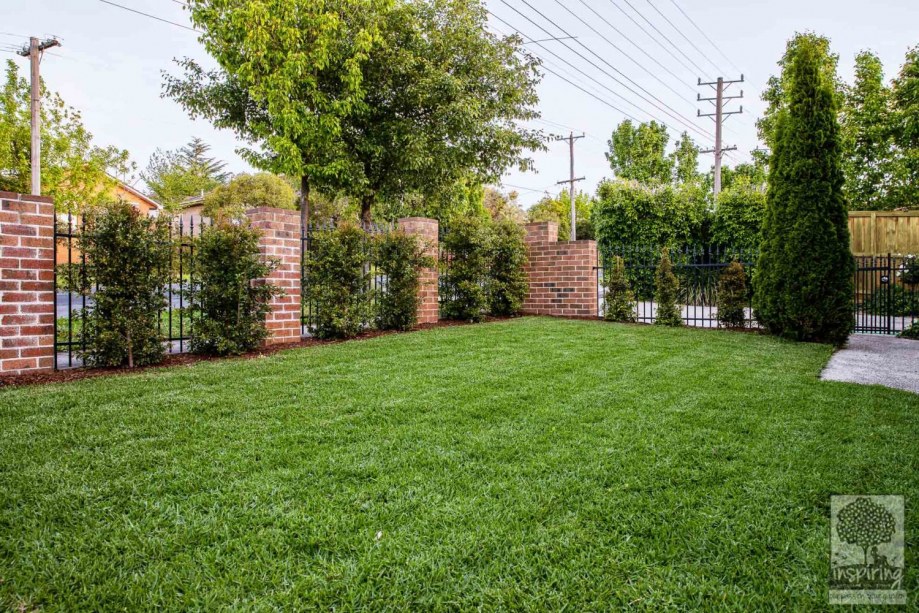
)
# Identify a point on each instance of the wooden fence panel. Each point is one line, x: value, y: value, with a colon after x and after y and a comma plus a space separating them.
x: 883, y: 232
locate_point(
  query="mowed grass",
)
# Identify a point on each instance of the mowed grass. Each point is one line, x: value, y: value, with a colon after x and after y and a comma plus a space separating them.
x: 532, y: 464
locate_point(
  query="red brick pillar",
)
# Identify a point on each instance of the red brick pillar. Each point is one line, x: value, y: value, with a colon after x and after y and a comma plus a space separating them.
x: 280, y: 240
x: 26, y: 283
x: 562, y: 275
x: 426, y: 230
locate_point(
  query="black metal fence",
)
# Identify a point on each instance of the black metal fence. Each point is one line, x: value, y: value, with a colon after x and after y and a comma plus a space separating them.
x: 886, y: 293
x: 311, y: 240
x: 697, y: 269
x: 75, y: 287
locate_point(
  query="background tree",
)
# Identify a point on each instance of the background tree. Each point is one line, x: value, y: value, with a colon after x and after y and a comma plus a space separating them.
x: 905, y: 94
x: 804, y: 275
x: 738, y: 218
x: 75, y: 172
x: 558, y: 209
x: 639, y: 152
x: 173, y: 176
x: 867, y: 136
x: 500, y: 206
x: 246, y: 191
x: 685, y: 161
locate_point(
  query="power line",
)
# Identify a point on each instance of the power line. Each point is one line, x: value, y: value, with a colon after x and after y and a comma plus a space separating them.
x: 702, y: 32
x: 614, y: 46
x: 657, y: 102
x: 653, y: 38
x: 173, y: 23
x: 686, y: 38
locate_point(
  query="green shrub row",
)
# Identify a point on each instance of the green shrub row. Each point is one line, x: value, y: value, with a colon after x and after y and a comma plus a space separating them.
x: 130, y: 259
x: 483, y: 272
x: 339, y: 268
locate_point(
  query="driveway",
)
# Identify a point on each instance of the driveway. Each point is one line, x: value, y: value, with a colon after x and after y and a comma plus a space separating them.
x: 880, y: 360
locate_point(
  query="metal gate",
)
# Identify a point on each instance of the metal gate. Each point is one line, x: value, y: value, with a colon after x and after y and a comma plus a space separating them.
x: 886, y: 293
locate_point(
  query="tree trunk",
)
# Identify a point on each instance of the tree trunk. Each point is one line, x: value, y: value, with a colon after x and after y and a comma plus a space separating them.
x: 130, y: 349
x: 366, y: 205
x: 304, y: 201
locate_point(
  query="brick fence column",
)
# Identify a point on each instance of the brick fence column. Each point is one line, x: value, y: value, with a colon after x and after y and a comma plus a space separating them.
x: 426, y: 229
x: 562, y: 275
x: 280, y: 240
x: 26, y: 283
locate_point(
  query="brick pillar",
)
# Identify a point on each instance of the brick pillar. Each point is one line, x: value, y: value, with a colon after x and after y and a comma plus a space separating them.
x: 26, y: 283
x: 426, y: 230
x: 562, y: 275
x: 280, y: 240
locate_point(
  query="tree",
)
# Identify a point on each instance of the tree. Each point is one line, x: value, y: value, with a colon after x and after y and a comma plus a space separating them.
x: 618, y: 299
x: 866, y: 524
x: 500, y: 206
x: 247, y: 191
x: 685, y: 161
x: 775, y: 94
x: 74, y: 172
x: 639, y: 153
x: 905, y: 94
x: 803, y: 279
x: 732, y: 296
x: 558, y: 209
x: 738, y: 219
x: 173, y: 176
x: 507, y: 282
x: 379, y: 98
x: 867, y: 136
x: 666, y: 287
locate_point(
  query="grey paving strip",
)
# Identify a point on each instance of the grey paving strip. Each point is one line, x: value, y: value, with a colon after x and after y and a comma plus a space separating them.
x: 876, y: 360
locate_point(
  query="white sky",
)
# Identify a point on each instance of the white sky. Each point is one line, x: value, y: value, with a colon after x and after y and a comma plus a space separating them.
x: 110, y: 62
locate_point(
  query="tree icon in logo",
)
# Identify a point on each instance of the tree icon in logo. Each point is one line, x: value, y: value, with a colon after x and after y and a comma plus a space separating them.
x: 866, y: 524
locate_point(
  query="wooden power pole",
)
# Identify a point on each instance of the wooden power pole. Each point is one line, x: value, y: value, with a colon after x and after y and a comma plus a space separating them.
x: 719, y: 116
x: 34, y: 53
x: 571, y: 181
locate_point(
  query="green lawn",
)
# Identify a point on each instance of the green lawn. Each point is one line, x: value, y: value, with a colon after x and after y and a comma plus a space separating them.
x: 532, y: 463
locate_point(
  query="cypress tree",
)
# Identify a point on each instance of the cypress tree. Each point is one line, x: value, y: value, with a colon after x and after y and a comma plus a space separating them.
x: 804, y: 274
x: 666, y: 287
x: 618, y: 301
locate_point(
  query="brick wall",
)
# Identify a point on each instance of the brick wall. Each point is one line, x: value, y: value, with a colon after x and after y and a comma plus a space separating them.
x: 562, y: 275
x: 281, y: 240
x: 426, y: 230
x: 26, y: 283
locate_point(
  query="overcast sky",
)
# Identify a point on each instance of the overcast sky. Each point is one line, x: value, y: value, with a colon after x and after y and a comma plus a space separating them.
x: 110, y: 61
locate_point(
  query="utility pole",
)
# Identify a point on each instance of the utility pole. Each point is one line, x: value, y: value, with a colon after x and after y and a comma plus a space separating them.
x: 571, y: 181
x: 34, y: 52
x: 720, y: 86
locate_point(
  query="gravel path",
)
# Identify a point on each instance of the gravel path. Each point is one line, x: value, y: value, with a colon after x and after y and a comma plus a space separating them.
x: 880, y: 360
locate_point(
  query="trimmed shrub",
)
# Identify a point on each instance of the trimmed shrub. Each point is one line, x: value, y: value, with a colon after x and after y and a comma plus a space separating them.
x: 336, y: 281
x: 399, y: 257
x: 667, y: 286
x: 911, y: 332
x: 618, y: 301
x: 128, y: 256
x: 231, y: 305
x: 732, y: 296
x: 507, y: 280
x: 466, y: 275
x: 804, y: 277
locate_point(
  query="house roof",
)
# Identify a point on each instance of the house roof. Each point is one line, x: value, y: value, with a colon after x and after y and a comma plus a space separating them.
x: 154, y: 205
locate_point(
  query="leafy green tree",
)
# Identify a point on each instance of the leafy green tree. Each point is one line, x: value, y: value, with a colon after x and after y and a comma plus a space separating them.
x: 74, y: 172
x: 666, y: 290
x: 803, y: 280
x: 173, y: 176
x: 400, y: 257
x: 558, y: 209
x: 775, y: 94
x: 501, y: 206
x: 379, y: 98
x: 507, y: 283
x: 905, y: 94
x: 639, y: 152
x: 685, y: 161
x: 464, y: 279
x: 247, y: 191
x: 867, y: 136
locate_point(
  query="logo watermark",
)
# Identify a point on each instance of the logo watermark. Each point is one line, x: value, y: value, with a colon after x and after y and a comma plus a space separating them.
x: 866, y: 549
